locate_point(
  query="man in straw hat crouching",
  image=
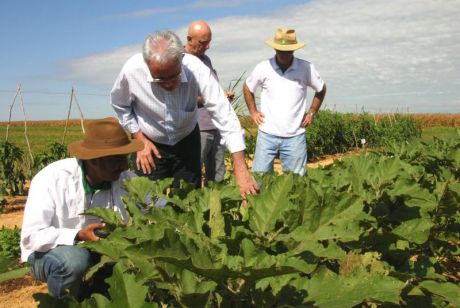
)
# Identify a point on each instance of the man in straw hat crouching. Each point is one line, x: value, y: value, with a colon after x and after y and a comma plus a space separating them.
x: 63, y: 190
x: 282, y: 117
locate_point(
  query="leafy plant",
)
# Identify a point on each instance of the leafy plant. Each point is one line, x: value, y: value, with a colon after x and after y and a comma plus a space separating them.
x: 238, y: 103
x: 333, y: 132
x: 367, y: 231
x: 9, y: 242
x: 12, y: 176
x: 56, y: 151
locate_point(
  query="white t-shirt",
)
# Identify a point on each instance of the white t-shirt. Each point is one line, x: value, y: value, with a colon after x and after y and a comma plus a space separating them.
x: 283, y: 98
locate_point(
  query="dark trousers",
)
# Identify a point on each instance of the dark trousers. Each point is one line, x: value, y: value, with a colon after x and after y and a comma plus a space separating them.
x: 180, y: 161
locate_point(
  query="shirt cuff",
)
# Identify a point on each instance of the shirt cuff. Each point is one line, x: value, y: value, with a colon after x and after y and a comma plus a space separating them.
x: 132, y: 127
x: 235, y: 142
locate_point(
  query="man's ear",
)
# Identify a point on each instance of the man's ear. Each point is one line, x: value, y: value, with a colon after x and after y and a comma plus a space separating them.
x: 189, y: 38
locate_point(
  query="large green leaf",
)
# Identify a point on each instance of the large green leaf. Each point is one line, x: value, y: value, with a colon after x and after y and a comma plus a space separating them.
x: 125, y: 291
x: 449, y: 291
x: 193, y: 291
x: 415, y: 230
x: 323, y: 249
x: 349, y: 291
x: 335, y: 216
x: 216, y: 220
x: 107, y: 215
x: 268, y: 207
x: 111, y: 248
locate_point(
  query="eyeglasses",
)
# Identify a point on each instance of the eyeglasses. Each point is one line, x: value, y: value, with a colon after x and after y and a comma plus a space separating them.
x: 166, y: 79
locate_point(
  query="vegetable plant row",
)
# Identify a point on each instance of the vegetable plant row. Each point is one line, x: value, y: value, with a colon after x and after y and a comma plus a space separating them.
x: 330, y: 133
x: 334, y: 132
x: 370, y: 230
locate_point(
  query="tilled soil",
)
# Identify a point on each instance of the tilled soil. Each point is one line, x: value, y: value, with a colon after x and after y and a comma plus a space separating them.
x: 18, y: 292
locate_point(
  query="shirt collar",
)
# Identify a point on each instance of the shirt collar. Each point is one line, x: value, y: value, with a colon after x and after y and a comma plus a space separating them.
x: 294, y: 64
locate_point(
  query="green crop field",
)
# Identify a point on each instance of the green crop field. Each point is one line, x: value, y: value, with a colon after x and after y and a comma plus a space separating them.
x: 439, y: 132
x: 40, y: 136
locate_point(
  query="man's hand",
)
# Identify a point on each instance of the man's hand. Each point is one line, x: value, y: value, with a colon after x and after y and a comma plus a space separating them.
x: 307, y: 119
x: 144, y: 160
x: 243, y: 178
x: 87, y: 233
x: 257, y: 117
x: 230, y: 95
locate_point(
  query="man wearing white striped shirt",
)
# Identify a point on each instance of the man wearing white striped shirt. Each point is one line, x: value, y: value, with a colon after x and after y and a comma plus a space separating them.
x: 154, y: 97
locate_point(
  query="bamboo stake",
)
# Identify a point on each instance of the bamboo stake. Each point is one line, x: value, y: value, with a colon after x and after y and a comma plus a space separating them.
x: 81, y: 113
x: 25, y: 125
x: 68, y: 115
x: 11, y: 109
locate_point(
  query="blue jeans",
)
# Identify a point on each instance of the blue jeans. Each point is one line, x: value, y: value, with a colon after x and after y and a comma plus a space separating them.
x: 292, y: 150
x: 61, y: 268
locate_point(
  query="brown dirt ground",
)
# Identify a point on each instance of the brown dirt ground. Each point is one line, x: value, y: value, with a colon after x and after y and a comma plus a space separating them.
x: 18, y: 292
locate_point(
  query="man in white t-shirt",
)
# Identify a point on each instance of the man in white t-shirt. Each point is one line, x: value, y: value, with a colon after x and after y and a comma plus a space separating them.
x: 283, y: 100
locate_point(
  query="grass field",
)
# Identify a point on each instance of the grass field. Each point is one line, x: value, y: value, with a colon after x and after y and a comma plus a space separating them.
x: 439, y: 132
x: 42, y: 133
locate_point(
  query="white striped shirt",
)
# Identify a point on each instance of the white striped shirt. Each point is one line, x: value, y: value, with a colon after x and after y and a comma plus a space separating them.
x: 167, y: 117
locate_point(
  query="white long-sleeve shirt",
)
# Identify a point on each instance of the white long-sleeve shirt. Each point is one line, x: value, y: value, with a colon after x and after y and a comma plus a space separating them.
x: 169, y: 116
x: 55, y: 201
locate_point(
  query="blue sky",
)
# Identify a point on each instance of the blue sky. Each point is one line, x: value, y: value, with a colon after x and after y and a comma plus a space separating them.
x: 377, y: 56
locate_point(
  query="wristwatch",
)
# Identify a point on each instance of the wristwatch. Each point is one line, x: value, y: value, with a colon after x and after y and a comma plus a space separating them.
x: 312, y: 114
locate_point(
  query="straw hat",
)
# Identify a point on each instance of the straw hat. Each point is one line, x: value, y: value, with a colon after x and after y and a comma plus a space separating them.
x: 285, y: 40
x: 104, y: 137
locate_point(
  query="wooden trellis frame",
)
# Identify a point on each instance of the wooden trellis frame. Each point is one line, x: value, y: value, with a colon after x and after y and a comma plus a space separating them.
x: 19, y: 94
x: 73, y: 96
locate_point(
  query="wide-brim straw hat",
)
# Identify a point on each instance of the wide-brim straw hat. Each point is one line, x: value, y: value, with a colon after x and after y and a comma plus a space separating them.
x: 104, y: 137
x: 285, y: 40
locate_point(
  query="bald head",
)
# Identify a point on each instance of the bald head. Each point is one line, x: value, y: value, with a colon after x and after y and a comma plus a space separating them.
x: 198, y: 38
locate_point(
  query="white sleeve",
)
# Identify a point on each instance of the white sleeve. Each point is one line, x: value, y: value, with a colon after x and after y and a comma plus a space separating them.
x: 37, y: 232
x: 254, y: 80
x: 221, y: 111
x: 316, y: 82
x: 121, y: 101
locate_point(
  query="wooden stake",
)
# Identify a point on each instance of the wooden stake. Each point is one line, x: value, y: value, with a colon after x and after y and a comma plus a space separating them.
x: 68, y: 115
x: 25, y: 125
x: 11, y: 109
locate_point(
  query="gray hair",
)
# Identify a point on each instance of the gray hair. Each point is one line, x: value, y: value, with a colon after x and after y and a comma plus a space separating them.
x: 162, y: 46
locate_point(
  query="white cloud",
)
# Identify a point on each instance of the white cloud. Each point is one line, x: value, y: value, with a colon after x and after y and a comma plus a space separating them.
x: 201, y: 4
x: 381, y: 55
x: 99, y: 69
